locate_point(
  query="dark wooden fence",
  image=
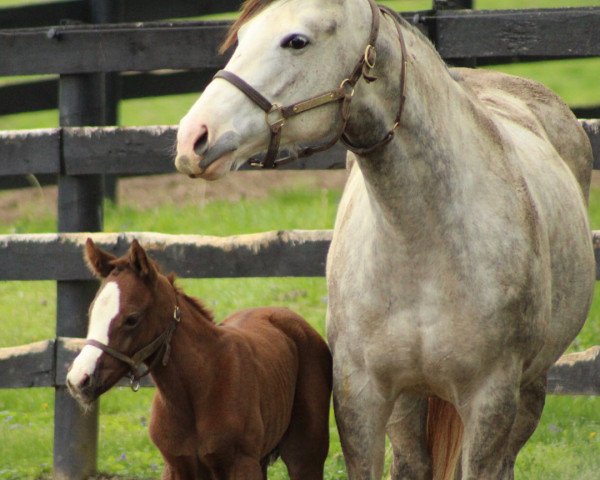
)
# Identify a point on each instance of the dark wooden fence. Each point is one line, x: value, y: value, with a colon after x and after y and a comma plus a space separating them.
x: 87, y: 60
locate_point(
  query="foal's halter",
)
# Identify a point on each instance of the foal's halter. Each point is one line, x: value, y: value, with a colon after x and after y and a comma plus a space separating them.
x: 276, y: 115
x: 163, y: 341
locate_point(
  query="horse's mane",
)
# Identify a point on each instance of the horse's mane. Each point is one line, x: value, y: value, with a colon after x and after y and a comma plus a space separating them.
x: 249, y: 9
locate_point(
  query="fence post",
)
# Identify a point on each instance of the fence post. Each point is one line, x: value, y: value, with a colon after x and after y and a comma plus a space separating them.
x: 81, y: 102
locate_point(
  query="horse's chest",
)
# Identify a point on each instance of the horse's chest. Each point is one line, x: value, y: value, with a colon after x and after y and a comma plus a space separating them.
x: 405, y: 313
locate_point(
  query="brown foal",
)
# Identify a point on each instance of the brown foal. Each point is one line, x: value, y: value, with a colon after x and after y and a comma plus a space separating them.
x: 231, y: 397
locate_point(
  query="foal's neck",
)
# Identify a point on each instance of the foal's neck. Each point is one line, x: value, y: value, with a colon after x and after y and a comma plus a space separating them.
x: 191, y: 344
x: 424, y: 167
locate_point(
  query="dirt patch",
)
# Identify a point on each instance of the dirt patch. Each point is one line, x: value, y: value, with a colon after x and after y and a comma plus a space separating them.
x: 149, y: 192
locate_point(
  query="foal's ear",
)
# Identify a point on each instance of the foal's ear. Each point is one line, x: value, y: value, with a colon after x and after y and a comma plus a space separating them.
x: 98, y: 261
x: 139, y: 261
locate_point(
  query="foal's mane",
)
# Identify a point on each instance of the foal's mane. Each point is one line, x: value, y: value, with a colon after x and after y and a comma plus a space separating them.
x: 193, y: 302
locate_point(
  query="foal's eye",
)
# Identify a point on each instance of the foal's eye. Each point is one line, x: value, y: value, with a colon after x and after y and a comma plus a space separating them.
x: 131, y: 321
x: 295, y: 41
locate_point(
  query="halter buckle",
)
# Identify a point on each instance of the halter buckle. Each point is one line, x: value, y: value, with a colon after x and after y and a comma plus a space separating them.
x: 277, y: 123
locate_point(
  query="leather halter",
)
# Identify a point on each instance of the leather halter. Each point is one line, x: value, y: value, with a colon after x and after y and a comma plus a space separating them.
x: 163, y: 341
x: 276, y: 115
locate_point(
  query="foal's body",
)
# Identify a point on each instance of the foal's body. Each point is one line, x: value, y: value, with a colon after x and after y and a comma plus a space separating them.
x: 231, y: 398
x: 264, y: 400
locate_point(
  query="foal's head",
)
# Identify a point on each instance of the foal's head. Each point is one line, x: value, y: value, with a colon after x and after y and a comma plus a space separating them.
x: 134, y: 305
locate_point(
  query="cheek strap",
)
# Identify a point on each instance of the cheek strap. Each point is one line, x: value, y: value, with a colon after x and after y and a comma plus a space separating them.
x: 163, y: 341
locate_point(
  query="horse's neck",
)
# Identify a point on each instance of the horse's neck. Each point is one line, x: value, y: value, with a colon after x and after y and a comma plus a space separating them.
x: 424, y: 166
x: 191, y: 347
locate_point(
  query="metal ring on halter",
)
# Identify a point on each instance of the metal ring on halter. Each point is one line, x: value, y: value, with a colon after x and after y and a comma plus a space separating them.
x: 370, y: 49
x: 344, y: 84
x: 134, y: 383
x: 279, y: 122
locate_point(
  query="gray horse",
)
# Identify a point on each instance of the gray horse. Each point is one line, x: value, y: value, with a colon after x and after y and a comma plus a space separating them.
x: 461, y: 265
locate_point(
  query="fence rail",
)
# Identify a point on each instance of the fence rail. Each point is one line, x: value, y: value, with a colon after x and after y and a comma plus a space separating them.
x: 79, y: 11
x: 136, y: 150
x: 295, y: 253
x: 45, y: 364
x: 495, y: 35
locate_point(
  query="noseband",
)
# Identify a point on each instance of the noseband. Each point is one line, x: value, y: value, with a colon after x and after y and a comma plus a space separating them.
x: 277, y: 115
x: 163, y: 341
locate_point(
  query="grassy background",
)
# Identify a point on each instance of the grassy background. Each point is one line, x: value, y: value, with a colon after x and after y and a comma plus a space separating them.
x: 565, y: 446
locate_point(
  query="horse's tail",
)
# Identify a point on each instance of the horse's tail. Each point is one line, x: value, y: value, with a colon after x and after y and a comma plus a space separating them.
x: 444, y: 438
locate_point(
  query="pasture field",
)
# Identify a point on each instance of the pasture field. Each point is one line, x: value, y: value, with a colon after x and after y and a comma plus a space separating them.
x: 565, y: 446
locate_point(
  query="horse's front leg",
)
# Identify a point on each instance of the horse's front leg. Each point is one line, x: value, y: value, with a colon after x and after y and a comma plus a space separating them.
x: 361, y: 415
x: 489, y: 416
x: 407, y: 431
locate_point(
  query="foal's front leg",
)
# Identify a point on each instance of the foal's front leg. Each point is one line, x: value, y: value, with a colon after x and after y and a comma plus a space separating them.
x: 240, y: 468
x: 184, y: 468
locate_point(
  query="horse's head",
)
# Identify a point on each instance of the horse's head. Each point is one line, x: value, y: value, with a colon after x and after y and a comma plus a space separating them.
x: 126, y: 316
x: 288, y: 51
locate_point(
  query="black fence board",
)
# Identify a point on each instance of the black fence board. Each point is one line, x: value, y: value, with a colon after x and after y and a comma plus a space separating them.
x: 551, y: 33
x: 144, y: 10
x: 136, y: 151
x: 27, y: 365
x: 33, y: 365
x: 43, y: 94
x: 296, y: 253
x: 271, y: 254
x: 27, y: 180
x: 110, y: 48
x: 44, y: 14
x: 32, y: 152
x: 55, y: 13
x: 460, y: 34
x: 119, y: 150
x: 576, y: 373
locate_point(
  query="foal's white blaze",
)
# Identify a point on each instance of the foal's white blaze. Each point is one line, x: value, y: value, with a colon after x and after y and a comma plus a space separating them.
x: 104, y: 310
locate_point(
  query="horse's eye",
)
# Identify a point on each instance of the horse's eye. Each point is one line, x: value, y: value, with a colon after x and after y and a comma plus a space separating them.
x: 295, y: 41
x: 131, y: 321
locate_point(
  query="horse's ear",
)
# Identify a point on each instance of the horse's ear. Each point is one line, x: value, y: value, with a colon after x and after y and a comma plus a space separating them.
x: 98, y: 261
x: 139, y: 261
